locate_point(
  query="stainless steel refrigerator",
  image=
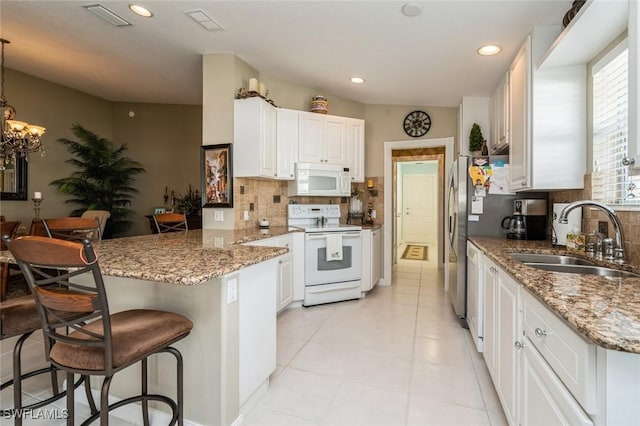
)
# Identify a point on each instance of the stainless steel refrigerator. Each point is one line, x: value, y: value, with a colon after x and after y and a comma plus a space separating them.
x: 495, y: 208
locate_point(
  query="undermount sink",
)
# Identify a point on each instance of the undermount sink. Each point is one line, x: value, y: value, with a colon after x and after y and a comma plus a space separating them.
x: 582, y: 269
x: 553, y: 259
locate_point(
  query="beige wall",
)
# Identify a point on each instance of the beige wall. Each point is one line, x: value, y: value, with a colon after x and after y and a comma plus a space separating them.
x: 164, y: 138
x: 384, y: 123
x: 57, y: 108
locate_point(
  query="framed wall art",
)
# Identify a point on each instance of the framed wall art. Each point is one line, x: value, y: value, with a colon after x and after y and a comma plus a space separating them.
x: 217, y: 175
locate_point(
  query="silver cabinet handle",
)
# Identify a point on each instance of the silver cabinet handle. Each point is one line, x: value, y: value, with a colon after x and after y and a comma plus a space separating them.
x: 518, y: 345
x: 540, y: 332
x: 524, y: 183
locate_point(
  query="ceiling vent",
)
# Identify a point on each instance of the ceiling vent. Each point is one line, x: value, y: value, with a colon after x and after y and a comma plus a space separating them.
x: 107, y: 15
x: 203, y: 18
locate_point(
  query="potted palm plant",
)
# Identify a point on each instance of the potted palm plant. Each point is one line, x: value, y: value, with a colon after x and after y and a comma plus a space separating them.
x: 104, y: 179
x: 189, y: 203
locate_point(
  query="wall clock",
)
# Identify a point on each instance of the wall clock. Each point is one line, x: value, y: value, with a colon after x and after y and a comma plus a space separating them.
x: 416, y: 124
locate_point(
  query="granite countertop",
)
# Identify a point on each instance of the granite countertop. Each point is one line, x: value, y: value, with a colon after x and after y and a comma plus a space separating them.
x: 604, y: 310
x: 372, y: 226
x: 183, y: 258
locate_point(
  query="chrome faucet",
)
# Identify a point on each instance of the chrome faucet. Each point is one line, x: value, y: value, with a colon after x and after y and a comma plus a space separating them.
x: 618, y: 255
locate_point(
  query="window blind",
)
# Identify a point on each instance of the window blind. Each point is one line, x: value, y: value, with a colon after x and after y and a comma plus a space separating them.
x: 611, y: 180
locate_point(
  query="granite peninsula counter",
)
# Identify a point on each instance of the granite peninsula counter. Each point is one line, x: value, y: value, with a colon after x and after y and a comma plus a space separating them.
x: 226, y: 288
x: 604, y: 310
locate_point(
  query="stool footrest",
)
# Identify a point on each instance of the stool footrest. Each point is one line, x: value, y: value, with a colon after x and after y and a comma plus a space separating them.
x: 139, y: 398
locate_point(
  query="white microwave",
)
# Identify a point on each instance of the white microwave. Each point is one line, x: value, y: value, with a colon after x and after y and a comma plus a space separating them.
x: 320, y: 180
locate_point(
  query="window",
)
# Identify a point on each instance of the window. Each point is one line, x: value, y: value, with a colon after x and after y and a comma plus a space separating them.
x: 612, y: 182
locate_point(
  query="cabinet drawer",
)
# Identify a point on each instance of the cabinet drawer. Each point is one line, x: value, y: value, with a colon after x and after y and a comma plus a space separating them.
x: 571, y: 357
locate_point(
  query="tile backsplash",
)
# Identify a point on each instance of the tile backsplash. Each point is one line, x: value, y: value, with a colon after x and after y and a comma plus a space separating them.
x: 268, y: 199
x: 590, y: 218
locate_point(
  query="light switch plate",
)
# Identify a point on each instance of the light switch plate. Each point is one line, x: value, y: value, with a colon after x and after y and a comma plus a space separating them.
x: 245, y: 216
x: 218, y: 216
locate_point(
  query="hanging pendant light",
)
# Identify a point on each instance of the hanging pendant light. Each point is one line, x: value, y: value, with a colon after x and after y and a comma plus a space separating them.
x: 18, y: 138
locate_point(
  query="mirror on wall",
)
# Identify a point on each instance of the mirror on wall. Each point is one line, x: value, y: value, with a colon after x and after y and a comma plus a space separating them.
x: 13, y: 181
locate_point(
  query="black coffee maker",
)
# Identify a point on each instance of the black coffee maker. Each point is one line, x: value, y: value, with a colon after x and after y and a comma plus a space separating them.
x: 529, y: 220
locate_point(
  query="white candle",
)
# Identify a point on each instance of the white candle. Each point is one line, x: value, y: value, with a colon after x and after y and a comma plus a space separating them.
x: 263, y: 90
x: 253, y: 84
x: 37, y: 195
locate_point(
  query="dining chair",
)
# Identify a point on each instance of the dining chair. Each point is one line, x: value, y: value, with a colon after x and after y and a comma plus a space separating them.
x: 100, y: 215
x: 170, y: 222
x: 73, y: 228
x: 6, y: 228
x: 99, y: 343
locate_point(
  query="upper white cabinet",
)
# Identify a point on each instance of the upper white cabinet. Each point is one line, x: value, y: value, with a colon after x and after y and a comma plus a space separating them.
x: 287, y: 142
x: 500, y: 136
x: 547, y: 119
x: 355, y: 149
x: 254, y: 128
x: 322, y: 138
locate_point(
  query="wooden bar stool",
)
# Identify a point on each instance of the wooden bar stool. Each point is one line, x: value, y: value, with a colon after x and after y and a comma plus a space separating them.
x: 73, y: 228
x: 170, y: 222
x: 100, y: 343
x: 19, y: 317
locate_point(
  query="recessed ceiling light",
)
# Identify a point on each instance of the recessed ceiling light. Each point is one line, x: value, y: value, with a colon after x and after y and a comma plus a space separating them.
x: 412, y: 9
x: 140, y: 10
x: 489, y: 50
x: 357, y: 80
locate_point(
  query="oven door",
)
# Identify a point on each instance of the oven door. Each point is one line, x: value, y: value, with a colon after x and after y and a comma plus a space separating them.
x: 319, y: 271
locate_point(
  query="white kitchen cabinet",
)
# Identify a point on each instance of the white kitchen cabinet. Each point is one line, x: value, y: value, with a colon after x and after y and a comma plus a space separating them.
x: 355, y: 149
x: 254, y: 128
x: 489, y: 343
x: 286, y: 143
x: 286, y: 270
x: 503, y: 336
x: 543, y: 398
x: 500, y: 136
x: 475, y: 295
x: 371, y: 258
x: 547, y: 119
x: 322, y: 138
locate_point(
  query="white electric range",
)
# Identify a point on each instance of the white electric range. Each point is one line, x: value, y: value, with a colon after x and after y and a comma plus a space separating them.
x: 333, y: 253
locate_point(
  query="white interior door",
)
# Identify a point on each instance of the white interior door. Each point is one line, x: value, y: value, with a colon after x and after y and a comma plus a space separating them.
x: 419, y: 209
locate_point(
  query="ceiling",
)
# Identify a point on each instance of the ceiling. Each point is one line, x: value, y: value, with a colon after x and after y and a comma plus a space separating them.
x: 429, y: 59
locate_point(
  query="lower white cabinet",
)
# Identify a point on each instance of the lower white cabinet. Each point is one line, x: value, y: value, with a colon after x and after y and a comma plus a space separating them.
x: 475, y: 295
x: 502, y: 331
x: 371, y: 258
x: 286, y: 268
x: 544, y: 400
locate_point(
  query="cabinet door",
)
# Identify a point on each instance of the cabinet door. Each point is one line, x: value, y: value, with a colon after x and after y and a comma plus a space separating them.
x: 543, y: 399
x: 519, y: 103
x: 367, y: 260
x: 489, y: 274
x: 355, y: 148
x: 335, y: 133
x: 376, y: 258
x: 285, y: 282
x: 509, y: 338
x: 287, y: 142
x: 474, y: 295
x: 311, y: 147
x: 267, y: 140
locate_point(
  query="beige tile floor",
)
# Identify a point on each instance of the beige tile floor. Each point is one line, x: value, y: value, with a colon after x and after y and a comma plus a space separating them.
x: 396, y: 357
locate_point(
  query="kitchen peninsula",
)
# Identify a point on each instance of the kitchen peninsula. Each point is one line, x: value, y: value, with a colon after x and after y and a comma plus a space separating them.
x: 210, y: 277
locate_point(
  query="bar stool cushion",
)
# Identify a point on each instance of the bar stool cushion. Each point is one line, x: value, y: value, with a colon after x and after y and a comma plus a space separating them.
x: 19, y: 316
x: 135, y: 334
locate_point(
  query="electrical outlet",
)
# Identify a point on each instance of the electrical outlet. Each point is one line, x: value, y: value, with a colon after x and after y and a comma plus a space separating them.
x: 245, y: 215
x: 218, y: 216
x: 232, y: 290
x: 603, y: 227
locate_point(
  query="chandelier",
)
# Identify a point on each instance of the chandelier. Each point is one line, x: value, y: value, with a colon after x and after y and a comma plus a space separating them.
x: 18, y: 138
